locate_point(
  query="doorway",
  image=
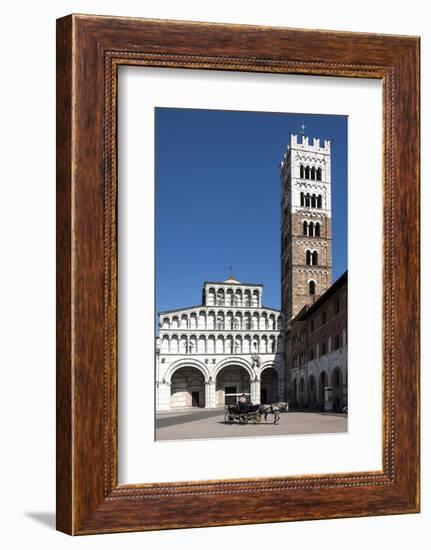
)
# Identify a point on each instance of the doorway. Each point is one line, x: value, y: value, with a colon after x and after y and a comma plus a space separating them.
x: 195, y: 399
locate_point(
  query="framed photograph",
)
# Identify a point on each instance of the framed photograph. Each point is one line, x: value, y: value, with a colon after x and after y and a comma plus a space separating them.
x: 237, y: 274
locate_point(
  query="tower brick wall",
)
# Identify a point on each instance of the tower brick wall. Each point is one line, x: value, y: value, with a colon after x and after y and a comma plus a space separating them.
x: 306, y: 229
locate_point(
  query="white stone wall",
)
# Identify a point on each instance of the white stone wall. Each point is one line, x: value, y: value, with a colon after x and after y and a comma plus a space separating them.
x: 209, y: 338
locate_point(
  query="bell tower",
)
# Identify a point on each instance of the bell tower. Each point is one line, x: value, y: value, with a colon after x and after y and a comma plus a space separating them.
x: 306, y: 232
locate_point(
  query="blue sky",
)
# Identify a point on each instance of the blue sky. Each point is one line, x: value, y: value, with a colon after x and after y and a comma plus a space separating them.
x: 218, y: 193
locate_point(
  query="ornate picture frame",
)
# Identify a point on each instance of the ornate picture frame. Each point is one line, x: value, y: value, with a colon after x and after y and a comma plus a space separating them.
x: 89, y: 51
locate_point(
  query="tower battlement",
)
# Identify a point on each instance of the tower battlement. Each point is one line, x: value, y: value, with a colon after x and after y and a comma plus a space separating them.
x: 310, y: 144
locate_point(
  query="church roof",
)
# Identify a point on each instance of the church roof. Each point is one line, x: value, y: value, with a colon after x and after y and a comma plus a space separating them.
x: 232, y: 279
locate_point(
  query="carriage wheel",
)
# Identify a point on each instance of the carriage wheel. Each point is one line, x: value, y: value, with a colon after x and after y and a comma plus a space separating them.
x: 257, y: 419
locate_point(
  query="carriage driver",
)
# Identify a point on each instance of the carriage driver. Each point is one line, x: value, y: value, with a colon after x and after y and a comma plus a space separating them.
x: 243, y: 404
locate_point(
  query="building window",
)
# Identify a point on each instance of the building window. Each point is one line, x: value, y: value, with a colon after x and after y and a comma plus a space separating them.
x: 307, y: 172
x: 319, y: 201
x: 313, y: 201
x: 304, y: 228
x: 302, y: 199
x: 314, y: 258
x: 311, y: 354
x: 323, y: 348
x: 312, y: 288
x: 319, y: 174
x: 317, y: 229
x: 336, y: 342
x: 301, y: 172
x: 310, y: 229
x: 308, y: 257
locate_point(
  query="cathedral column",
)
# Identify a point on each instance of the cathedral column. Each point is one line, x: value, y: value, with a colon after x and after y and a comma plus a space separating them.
x: 255, y: 391
x: 163, y: 396
x: 210, y: 394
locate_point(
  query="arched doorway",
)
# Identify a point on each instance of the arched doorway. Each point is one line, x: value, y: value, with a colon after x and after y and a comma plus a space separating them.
x: 269, y: 386
x: 231, y: 380
x: 323, y: 381
x: 337, y: 383
x: 311, y: 392
x: 187, y: 388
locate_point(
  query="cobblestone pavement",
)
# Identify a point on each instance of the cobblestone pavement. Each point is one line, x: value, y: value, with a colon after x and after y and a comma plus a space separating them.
x: 208, y: 424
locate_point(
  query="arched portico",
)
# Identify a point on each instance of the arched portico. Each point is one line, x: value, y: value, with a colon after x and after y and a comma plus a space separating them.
x: 188, y: 362
x: 186, y: 384
x: 272, y: 373
x: 187, y: 388
x: 234, y: 360
x: 232, y: 378
x: 269, y: 385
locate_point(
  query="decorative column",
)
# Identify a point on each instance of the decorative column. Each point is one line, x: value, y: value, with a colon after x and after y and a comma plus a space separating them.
x: 210, y: 394
x: 255, y: 391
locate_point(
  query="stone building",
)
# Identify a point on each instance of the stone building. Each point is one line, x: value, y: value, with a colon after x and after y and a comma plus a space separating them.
x: 318, y: 361
x: 228, y: 344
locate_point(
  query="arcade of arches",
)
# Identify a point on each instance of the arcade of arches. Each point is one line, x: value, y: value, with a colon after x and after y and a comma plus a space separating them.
x: 315, y: 392
x: 190, y: 387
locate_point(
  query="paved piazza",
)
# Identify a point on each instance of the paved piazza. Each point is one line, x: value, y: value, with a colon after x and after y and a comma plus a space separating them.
x: 208, y: 424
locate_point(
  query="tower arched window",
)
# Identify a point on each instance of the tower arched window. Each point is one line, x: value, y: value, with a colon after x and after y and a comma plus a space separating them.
x: 307, y: 199
x: 310, y: 229
x: 304, y: 228
x: 308, y: 258
x: 314, y: 258
x: 319, y: 174
x: 312, y: 288
x: 301, y: 171
x: 319, y: 201
x: 317, y: 229
x: 313, y: 173
x: 307, y: 172
x: 302, y: 198
x: 313, y: 201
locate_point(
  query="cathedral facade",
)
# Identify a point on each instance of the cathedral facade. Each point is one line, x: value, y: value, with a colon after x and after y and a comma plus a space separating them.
x: 228, y: 345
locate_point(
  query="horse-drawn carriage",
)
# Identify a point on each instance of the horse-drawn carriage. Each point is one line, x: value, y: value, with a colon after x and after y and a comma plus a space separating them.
x: 245, y: 412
